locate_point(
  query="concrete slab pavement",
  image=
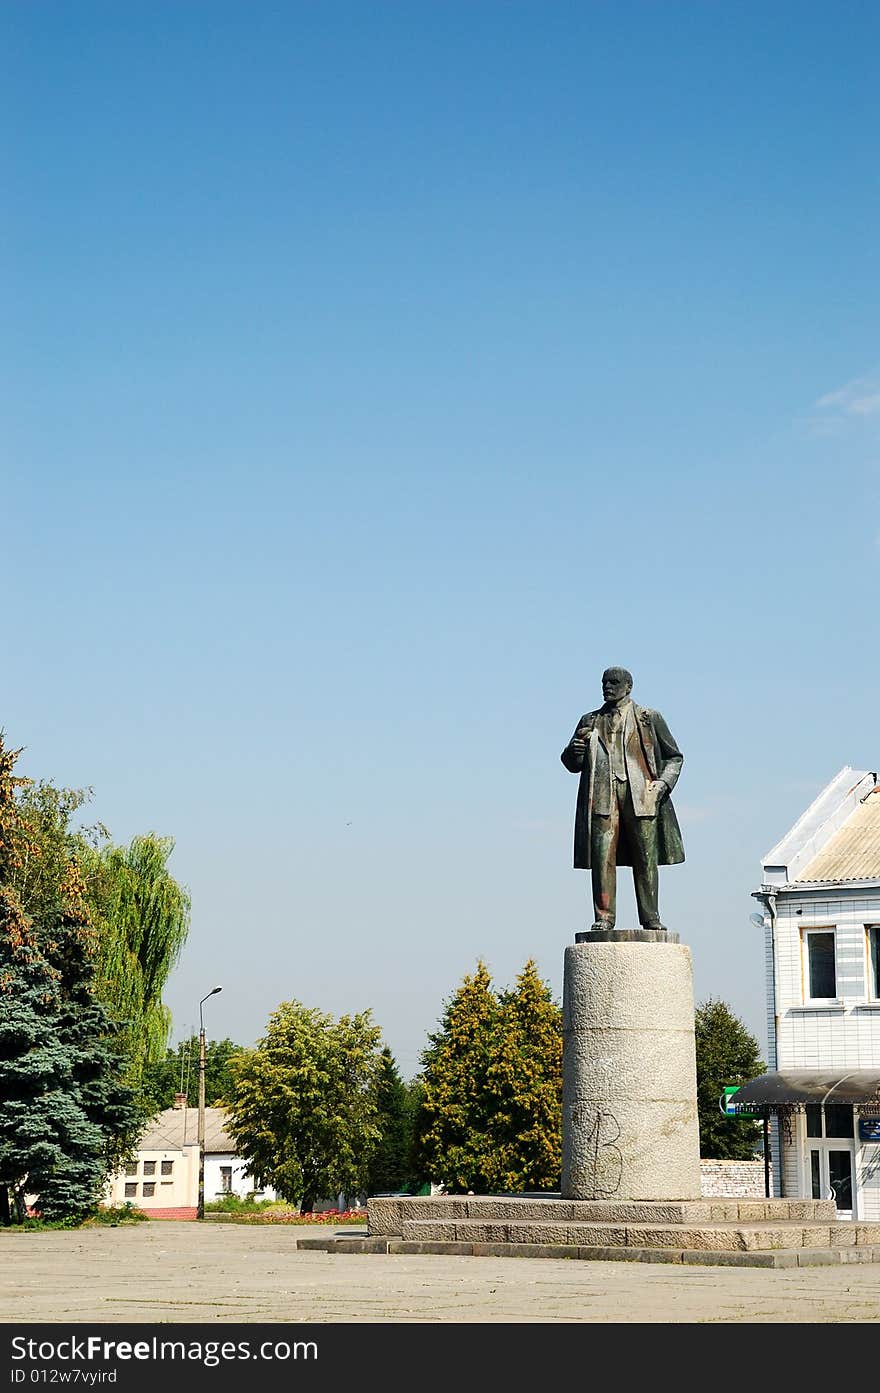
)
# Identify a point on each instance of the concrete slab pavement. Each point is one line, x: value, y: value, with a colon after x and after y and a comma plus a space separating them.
x: 187, y: 1272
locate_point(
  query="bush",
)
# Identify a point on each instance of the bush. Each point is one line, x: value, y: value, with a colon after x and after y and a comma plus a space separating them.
x: 111, y: 1214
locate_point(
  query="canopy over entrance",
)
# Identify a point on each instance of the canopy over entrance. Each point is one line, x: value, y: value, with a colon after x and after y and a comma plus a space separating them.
x: 796, y: 1087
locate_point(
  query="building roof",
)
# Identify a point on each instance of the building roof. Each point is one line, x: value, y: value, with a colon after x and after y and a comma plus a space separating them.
x: 853, y: 852
x: 798, y: 857
x: 176, y: 1128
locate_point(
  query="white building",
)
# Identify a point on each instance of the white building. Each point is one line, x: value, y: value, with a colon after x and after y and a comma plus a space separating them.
x: 820, y: 902
x: 162, y: 1176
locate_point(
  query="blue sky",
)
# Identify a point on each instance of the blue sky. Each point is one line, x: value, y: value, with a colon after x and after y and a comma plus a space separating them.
x: 374, y: 376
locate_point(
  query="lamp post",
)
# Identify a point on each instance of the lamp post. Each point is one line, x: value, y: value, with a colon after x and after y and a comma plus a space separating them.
x: 200, y: 1210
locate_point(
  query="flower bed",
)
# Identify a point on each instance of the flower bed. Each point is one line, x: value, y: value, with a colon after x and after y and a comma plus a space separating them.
x: 293, y: 1216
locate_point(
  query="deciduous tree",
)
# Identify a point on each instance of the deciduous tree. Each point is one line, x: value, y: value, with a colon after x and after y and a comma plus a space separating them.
x: 178, y: 1072
x: 304, y: 1110
x: 138, y: 912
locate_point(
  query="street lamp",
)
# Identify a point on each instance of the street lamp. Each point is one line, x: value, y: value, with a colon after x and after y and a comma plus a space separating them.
x: 200, y: 1211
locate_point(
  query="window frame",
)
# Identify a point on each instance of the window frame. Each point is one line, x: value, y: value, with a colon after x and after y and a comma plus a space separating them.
x: 806, y: 935
x: 872, y: 962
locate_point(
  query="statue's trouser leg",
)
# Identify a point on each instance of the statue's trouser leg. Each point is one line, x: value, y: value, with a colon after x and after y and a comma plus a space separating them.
x: 604, y: 835
x: 641, y: 833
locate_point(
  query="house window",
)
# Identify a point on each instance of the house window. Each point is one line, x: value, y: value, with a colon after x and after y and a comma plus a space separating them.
x: 167, y: 1167
x: 874, y: 961
x: 820, y: 971
x: 130, y: 1191
x: 149, y: 1167
x: 149, y: 1188
x: 131, y: 1168
x: 226, y: 1180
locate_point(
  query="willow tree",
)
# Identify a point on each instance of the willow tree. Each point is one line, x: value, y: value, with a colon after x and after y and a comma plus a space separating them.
x: 141, y: 917
x: 138, y: 913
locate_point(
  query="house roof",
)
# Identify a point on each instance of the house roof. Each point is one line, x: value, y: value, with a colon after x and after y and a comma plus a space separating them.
x: 853, y: 852
x: 811, y: 850
x: 176, y: 1128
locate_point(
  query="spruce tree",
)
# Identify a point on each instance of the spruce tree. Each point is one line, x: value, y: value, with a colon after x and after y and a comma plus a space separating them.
x: 490, y: 1116
x: 453, y: 1143
x: 66, y: 1115
x: 525, y: 1081
x: 727, y: 1053
x: 390, y: 1165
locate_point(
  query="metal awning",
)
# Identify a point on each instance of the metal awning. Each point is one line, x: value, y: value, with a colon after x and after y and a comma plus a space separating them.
x: 796, y: 1087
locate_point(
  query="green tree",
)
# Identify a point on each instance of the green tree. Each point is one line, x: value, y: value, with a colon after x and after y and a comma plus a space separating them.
x: 304, y: 1108
x: 178, y: 1072
x: 66, y: 1115
x: 524, y: 1081
x: 490, y: 1118
x: 138, y: 912
x: 453, y: 1143
x: 727, y: 1053
x: 141, y: 917
x: 389, y: 1168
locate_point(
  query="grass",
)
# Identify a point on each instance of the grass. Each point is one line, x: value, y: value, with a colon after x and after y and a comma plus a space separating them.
x: 112, y: 1215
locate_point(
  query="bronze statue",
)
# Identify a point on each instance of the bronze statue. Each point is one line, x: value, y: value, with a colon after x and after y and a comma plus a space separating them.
x: 628, y: 764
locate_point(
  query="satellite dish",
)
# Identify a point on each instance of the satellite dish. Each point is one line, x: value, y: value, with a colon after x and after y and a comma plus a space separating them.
x: 757, y: 920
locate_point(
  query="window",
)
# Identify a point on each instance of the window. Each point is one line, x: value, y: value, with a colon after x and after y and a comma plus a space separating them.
x: 838, y: 1120
x: 874, y: 961
x: 149, y: 1188
x: 131, y: 1168
x: 149, y: 1167
x: 130, y: 1191
x: 167, y: 1167
x: 820, y: 972
x: 226, y: 1180
x: 815, y: 1175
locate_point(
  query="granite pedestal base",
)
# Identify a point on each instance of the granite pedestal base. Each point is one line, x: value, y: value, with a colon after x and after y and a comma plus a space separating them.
x: 629, y: 1093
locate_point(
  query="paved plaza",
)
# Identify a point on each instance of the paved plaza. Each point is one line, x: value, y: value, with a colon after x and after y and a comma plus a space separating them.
x: 187, y: 1272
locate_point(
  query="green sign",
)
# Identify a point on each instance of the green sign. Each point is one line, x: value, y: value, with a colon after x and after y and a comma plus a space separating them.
x: 728, y: 1104
x: 725, y: 1102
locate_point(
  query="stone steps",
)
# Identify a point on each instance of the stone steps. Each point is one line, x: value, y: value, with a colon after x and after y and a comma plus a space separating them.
x: 703, y: 1257
x: 387, y: 1215
x: 748, y: 1233
x: 718, y: 1237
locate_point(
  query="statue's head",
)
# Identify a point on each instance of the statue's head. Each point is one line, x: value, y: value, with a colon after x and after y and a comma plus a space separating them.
x: 616, y: 683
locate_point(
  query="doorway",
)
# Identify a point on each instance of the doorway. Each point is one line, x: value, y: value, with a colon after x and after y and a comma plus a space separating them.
x: 831, y: 1156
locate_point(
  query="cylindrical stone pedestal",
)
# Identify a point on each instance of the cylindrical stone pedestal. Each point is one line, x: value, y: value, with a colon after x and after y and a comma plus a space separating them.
x: 629, y: 1091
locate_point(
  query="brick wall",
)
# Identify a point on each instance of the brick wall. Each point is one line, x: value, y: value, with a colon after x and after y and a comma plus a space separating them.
x: 720, y: 1178
x: 180, y: 1212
